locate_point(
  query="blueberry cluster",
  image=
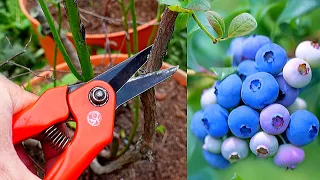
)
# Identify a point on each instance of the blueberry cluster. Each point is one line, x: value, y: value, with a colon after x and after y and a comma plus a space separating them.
x: 258, y: 108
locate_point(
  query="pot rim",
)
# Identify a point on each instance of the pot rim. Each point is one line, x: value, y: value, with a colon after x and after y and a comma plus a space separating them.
x: 180, y: 75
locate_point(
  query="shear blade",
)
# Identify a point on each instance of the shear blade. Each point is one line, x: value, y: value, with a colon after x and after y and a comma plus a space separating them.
x: 140, y: 84
x: 121, y: 73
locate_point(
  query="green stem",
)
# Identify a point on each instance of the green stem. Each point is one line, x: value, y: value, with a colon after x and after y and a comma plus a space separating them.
x: 78, y: 35
x: 125, y: 26
x: 213, y: 39
x: 154, y: 30
x: 135, y: 109
x: 56, y: 48
x: 58, y: 40
x: 282, y: 139
x: 134, y: 26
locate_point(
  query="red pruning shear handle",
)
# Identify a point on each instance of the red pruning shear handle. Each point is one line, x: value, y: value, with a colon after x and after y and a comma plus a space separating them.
x: 92, y: 105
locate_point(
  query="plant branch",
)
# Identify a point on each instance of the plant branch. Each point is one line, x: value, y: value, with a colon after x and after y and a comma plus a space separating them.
x: 213, y: 39
x: 154, y: 30
x: 154, y: 63
x: 134, y: 26
x: 79, y: 37
x: 58, y: 40
x: 125, y: 26
x: 56, y: 47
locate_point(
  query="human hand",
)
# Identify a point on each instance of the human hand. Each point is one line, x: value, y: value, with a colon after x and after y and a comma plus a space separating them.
x: 14, y: 160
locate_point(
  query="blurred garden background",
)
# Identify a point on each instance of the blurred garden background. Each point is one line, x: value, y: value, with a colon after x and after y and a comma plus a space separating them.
x: 287, y: 23
x: 15, y: 32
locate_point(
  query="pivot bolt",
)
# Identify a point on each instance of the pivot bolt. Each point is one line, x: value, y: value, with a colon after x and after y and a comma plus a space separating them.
x: 98, y: 96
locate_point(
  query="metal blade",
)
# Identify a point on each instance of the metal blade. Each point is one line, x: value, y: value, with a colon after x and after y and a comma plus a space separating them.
x: 140, y: 84
x: 118, y: 75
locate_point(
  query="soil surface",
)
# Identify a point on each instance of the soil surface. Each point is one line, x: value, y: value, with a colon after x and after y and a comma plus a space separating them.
x: 146, y: 10
x: 170, y: 148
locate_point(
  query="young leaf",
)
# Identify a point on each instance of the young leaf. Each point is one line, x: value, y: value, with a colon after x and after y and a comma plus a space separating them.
x: 170, y: 2
x: 216, y: 21
x: 199, y: 5
x: 179, y: 9
x: 242, y: 25
x: 182, y: 21
x: 223, y: 72
x: 236, y: 177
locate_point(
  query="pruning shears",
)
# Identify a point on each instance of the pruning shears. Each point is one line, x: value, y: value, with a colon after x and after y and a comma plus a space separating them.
x: 92, y: 105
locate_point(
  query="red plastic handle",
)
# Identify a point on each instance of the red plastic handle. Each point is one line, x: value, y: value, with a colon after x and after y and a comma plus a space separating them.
x: 51, y: 108
x: 94, y: 131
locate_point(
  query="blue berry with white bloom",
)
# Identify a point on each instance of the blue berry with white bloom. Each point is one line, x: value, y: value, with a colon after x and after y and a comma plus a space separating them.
x: 247, y: 68
x: 271, y: 58
x: 303, y: 128
x: 274, y: 119
x: 297, y: 73
x: 215, y: 160
x: 215, y: 120
x: 243, y: 122
x: 197, y: 127
x: 235, y: 50
x: 264, y: 145
x: 234, y: 149
x: 228, y: 91
x: 252, y: 44
x: 287, y: 94
x: 259, y: 90
x: 208, y: 97
x: 212, y: 144
x: 288, y: 156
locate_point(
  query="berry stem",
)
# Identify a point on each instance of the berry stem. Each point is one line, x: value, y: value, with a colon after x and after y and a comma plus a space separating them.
x: 213, y: 39
x: 282, y: 139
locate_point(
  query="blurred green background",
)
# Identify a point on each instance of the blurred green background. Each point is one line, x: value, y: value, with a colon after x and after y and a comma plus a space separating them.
x: 286, y: 22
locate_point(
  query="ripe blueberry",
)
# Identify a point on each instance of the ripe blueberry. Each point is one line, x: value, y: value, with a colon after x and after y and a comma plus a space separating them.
x: 208, y: 97
x: 247, y: 68
x: 274, y: 119
x: 298, y: 104
x: 252, y: 44
x: 264, y: 145
x: 235, y: 50
x: 303, y: 128
x: 228, y: 91
x: 215, y: 160
x: 243, y: 122
x: 234, y: 149
x: 287, y: 94
x: 197, y: 127
x: 259, y: 90
x: 297, y: 73
x: 271, y: 58
x: 310, y: 52
x: 215, y: 120
x: 288, y: 156
x: 212, y: 144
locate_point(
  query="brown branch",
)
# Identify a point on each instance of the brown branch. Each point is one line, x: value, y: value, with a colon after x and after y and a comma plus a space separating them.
x: 154, y: 63
x: 143, y: 148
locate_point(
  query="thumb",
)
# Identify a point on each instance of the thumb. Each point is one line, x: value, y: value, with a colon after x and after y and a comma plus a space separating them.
x: 12, y: 99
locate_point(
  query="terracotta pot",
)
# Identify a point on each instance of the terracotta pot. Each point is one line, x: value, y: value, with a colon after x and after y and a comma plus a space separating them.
x: 47, y: 43
x: 179, y: 76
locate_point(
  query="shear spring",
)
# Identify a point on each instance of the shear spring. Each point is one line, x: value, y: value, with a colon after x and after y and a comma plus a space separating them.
x: 56, y: 138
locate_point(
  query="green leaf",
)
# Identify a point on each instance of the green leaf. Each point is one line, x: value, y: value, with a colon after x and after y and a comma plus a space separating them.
x: 199, y: 5
x: 223, y: 72
x: 216, y: 21
x: 161, y: 129
x: 179, y: 9
x: 170, y: 2
x: 182, y: 21
x: 236, y: 177
x: 296, y: 8
x: 242, y: 25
